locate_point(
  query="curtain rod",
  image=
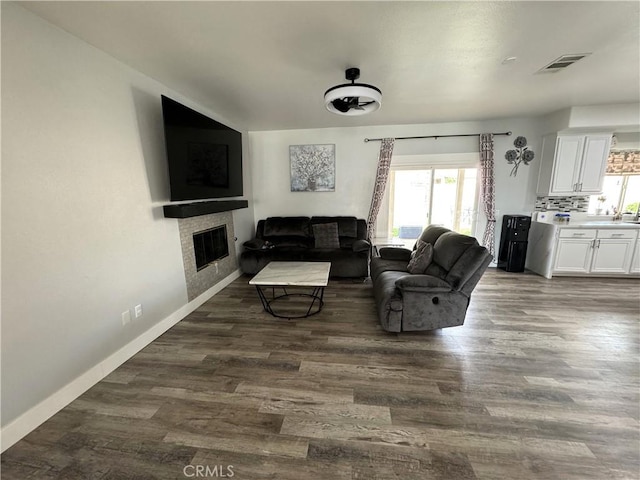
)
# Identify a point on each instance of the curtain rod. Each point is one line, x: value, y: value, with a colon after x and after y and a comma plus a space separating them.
x: 435, y: 136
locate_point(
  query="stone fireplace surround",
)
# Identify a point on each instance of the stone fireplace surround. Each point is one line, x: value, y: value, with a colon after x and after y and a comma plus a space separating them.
x: 199, y: 282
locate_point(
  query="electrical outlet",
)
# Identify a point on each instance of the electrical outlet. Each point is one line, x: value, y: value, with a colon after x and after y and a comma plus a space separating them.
x: 138, y: 310
x: 126, y: 317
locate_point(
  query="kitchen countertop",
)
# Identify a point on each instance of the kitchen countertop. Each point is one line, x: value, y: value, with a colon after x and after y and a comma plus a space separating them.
x: 600, y: 225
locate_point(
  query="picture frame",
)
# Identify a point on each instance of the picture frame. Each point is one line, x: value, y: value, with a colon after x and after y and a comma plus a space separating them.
x: 313, y: 168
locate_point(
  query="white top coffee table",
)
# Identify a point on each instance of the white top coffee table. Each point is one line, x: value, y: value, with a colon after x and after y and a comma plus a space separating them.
x: 313, y: 275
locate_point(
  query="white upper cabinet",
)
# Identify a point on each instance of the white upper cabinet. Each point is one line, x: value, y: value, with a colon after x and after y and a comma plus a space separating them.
x: 573, y: 164
x: 594, y: 163
x: 567, y: 164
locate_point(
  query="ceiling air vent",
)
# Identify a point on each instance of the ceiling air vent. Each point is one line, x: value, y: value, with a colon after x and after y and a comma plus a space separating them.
x: 563, y: 62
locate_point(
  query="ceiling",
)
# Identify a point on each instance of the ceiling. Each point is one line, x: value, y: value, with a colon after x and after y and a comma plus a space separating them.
x: 266, y: 65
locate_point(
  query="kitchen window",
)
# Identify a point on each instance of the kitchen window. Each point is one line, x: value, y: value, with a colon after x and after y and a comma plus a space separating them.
x: 621, y: 186
x: 620, y: 193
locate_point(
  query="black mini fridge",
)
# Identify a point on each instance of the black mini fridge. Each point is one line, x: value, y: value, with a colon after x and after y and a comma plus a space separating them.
x: 513, y: 242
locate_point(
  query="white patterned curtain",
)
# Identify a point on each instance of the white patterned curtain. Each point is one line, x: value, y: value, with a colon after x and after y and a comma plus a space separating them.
x: 382, y: 175
x: 488, y: 190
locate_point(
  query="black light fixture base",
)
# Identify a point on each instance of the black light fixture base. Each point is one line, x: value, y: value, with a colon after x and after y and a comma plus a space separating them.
x: 352, y: 73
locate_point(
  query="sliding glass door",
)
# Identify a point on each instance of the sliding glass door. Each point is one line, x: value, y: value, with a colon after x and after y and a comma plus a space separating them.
x: 421, y: 196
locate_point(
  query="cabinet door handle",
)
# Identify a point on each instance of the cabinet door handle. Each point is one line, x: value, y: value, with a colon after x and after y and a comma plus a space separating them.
x: 617, y: 234
x: 580, y: 188
x: 579, y: 234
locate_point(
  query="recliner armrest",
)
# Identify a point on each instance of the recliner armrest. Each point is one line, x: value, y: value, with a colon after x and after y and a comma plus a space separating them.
x: 422, y: 283
x: 361, y: 246
x: 254, y: 244
x: 395, y: 253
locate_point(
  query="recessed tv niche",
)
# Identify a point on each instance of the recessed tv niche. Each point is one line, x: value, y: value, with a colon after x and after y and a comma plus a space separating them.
x: 205, y: 156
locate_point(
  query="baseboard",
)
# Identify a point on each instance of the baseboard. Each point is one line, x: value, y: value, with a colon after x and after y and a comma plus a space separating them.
x: 36, y: 416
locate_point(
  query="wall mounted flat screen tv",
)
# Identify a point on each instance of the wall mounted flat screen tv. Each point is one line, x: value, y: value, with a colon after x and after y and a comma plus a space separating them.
x: 205, y: 156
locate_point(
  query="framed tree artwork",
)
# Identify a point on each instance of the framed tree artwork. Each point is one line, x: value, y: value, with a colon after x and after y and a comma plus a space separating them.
x: 313, y: 168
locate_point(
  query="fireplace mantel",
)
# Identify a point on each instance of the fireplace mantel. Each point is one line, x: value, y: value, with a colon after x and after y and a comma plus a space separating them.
x: 195, y: 209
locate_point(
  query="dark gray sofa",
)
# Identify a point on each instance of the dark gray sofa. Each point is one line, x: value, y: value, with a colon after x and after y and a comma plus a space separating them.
x: 292, y: 239
x: 437, y: 298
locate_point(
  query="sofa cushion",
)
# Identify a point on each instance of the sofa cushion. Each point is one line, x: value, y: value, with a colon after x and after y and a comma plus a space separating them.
x: 449, y: 248
x: 326, y: 235
x: 380, y: 265
x: 285, y: 241
x: 421, y: 257
x: 422, y: 282
x: 432, y: 233
x: 436, y: 270
x: 395, y: 253
x: 287, y: 226
x: 347, y: 226
x: 347, y: 242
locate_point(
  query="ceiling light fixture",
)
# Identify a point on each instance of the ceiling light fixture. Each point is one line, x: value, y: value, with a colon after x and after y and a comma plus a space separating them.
x: 353, y: 98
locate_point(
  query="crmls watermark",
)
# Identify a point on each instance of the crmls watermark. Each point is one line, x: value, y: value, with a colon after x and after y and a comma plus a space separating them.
x: 208, y: 471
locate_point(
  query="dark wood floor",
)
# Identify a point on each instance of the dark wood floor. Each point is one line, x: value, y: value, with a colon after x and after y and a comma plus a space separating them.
x: 542, y: 382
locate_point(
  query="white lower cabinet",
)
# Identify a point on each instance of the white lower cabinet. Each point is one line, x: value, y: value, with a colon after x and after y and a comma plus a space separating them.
x: 574, y: 250
x: 635, y: 262
x: 605, y: 251
x: 613, y: 251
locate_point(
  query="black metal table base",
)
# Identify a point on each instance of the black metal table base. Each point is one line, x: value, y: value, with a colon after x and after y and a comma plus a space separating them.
x: 316, y: 297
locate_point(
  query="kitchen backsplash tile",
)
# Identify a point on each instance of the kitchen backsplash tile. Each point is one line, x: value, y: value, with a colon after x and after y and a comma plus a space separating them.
x: 562, y: 204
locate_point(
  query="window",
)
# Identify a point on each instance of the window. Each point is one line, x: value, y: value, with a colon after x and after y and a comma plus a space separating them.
x: 621, y: 187
x: 620, y: 193
x: 421, y: 196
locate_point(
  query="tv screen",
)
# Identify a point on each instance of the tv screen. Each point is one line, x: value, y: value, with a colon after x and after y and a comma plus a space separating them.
x: 205, y: 156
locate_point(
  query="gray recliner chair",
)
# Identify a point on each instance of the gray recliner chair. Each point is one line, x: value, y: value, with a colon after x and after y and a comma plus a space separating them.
x: 437, y: 298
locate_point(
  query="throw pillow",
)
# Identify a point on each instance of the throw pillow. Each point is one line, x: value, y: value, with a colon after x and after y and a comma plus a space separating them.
x: 347, y: 226
x: 421, y: 258
x: 326, y: 235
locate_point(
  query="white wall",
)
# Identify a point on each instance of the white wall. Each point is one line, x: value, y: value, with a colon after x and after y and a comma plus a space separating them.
x: 83, y: 182
x: 623, y: 117
x: 620, y: 117
x: 627, y: 141
x: 356, y: 163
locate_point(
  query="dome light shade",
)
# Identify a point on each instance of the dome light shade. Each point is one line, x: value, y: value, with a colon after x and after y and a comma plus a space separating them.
x: 353, y: 98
